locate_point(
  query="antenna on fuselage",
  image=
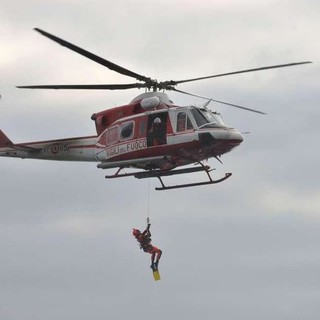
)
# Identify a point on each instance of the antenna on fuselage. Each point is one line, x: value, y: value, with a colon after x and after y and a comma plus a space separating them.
x: 207, y: 103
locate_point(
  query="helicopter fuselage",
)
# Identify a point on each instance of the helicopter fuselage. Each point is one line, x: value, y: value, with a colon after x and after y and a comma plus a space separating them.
x: 149, y: 133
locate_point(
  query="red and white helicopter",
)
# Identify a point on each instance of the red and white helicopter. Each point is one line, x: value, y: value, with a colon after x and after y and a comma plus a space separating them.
x: 150, y: 133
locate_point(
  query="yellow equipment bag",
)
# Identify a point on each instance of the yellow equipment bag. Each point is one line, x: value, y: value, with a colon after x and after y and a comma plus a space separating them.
x: 156, y: 275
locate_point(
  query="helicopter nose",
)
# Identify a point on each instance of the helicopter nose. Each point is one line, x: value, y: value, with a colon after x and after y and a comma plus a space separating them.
x: 229, y: 136
x: 220, y: 141
x: 236, y: 136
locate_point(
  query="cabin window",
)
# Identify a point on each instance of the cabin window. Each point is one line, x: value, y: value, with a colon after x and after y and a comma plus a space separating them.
x: 126, y: 131
x: 112, y: 135
x: 183, y: 122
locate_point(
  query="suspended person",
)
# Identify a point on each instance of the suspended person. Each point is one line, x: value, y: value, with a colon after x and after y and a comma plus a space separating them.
x: 144, y: 240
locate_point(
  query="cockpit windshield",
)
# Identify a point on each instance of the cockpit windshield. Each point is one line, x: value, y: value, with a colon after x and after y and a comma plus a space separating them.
x: 207, y: 118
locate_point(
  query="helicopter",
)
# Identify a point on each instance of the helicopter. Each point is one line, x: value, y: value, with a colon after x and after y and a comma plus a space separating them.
x: 151, y: 134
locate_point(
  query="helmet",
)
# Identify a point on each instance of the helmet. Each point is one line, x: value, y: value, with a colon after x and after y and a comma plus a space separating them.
x: 135, y: 232
x: 157, y: 120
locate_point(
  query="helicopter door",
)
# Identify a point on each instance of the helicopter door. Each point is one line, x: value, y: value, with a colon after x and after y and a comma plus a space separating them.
x: 157, y: 129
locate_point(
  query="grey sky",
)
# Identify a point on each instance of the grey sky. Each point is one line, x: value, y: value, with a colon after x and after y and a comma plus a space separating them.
x: 244, y: 249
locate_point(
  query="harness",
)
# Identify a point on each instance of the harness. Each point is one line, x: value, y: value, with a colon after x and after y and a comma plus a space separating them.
x: 145, y: 242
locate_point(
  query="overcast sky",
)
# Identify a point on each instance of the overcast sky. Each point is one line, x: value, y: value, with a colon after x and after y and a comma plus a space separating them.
x: 248, y: 248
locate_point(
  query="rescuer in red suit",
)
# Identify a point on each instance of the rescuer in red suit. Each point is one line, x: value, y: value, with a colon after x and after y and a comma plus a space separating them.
x: 144, y: 240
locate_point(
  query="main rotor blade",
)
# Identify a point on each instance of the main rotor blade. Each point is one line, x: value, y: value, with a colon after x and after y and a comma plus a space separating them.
x: 89, y: 55
x: 241, y: 71
x: 87, y: 86
x: 222, y: 102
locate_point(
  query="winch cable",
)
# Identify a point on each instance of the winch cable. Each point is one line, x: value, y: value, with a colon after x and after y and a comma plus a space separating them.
x: 148, y: 203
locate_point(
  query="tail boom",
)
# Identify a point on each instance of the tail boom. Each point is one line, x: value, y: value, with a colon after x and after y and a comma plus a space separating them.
x: 72, y: 149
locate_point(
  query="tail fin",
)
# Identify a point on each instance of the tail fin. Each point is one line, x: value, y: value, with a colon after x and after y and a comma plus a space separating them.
x: 4, y: 140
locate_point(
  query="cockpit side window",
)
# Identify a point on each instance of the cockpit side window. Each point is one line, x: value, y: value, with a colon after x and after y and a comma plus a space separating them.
x: 189, y: 124
x: 183, y: 122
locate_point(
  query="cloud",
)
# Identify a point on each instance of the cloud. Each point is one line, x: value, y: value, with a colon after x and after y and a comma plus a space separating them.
x: 280, y: 199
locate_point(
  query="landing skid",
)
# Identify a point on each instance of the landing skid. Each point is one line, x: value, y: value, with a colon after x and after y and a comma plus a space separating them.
x: 227, y: 175
x: 163, y: 173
